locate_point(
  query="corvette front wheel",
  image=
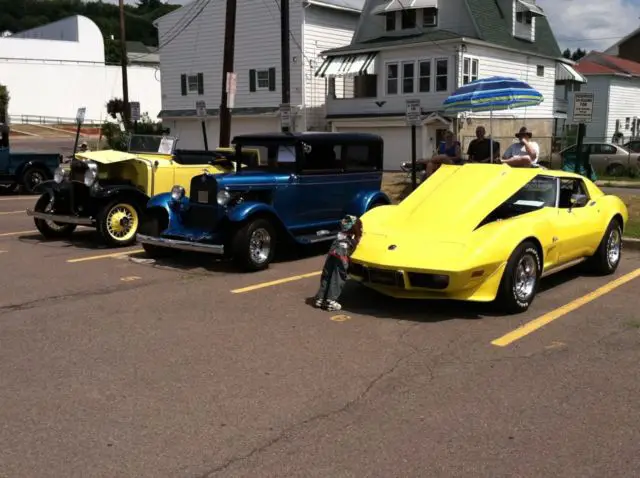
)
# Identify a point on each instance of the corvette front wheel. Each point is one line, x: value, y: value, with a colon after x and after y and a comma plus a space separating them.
x: 520, y: 279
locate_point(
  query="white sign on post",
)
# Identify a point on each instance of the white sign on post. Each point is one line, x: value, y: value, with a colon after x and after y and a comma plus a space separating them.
x: 414, y: 113
x: 80, y: 114
x: 134, y: 106
x: 285, y: 116
x: 201, y: 108
x: 231, y: 89
x: 582, y: 107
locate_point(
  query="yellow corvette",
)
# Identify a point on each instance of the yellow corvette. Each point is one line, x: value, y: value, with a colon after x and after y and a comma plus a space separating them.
x: 485, y: 232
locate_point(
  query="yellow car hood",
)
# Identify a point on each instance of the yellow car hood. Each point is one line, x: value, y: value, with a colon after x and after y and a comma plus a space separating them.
x: 107, y: 156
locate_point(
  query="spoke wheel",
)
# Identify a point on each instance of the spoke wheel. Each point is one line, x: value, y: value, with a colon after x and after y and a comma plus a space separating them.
x: 119, y: 223
x: 32, y: 178
x: 51, y: 229
x: 520, y: 279
x: 607, y: 257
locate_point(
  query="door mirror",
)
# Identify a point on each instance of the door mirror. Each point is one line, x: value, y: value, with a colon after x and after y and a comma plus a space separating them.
x: 578, y: 200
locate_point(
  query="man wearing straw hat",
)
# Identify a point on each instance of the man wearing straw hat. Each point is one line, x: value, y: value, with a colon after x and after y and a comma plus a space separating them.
x: 524, y: 153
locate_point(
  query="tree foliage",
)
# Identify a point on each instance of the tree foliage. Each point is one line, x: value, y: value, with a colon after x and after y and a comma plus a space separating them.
x: 574, y: 55
x: 19, y: 15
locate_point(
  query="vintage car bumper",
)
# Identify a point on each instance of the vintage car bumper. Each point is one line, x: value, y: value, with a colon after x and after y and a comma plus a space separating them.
x: 62, y: 218
x: 217, y: 249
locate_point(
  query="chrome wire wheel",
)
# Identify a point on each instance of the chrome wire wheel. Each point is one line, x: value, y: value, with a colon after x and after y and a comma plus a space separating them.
x: 614, y: 244
x: 260, y: 245
x: 122, y: 222
x: 526, y: 276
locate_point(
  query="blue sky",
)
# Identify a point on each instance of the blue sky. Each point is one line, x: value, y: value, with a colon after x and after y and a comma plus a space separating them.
x: 587, y: 24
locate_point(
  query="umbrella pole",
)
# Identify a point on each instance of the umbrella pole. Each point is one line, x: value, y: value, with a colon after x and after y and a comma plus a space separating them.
x: 491, y: 128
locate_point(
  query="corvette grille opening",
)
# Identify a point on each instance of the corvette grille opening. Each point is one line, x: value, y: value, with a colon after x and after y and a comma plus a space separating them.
x: 428, y: 281
x: 378, y: 276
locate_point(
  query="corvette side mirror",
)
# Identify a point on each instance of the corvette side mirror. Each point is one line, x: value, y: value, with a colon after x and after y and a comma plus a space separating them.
x: 578, y: 200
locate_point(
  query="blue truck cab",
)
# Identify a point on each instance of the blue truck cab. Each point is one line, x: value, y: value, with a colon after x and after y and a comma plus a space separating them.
x: 24, y: 170
x: 285, y: 188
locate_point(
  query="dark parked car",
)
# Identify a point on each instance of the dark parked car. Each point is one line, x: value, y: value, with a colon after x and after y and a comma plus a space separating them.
x: 24, y: 170
x: 298, y: 192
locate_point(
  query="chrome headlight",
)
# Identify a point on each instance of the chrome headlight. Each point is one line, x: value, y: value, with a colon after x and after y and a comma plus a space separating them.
x: 177, y: 193
x: 91, y: 175
x: 223, y: 197
x: 59, y: 174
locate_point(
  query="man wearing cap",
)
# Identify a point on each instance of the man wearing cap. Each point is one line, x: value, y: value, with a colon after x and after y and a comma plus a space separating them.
x: 523, y: 154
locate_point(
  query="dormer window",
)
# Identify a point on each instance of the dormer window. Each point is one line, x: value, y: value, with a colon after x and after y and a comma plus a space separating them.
x: 408, y: 14
x: 390, y: 18
x: 429, y: 17
x: 408, y: 19
x: 524, y: 19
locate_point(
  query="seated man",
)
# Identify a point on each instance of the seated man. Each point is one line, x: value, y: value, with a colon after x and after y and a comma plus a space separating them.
x: 480, y: 148
x: 523, y: 154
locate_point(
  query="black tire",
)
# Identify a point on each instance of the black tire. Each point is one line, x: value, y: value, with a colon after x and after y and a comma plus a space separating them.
x: 150, y: 226
x: 509, y: 299
x: 616, y: 170
x: 9, y: 188
x: 119, y: 231
x: 252, y: 260
x: 607, y: 257
x: 51, y: 229
x: 31, y: 178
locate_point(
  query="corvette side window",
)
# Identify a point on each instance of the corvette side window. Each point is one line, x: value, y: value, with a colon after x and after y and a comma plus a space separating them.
x: 570, y: 188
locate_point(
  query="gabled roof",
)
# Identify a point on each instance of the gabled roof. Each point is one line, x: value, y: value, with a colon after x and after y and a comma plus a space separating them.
x: 620, y: 42
x: 492, y: 25
x: 597, y: 63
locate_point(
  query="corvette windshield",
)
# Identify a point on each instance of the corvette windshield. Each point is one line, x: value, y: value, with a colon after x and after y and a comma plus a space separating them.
x: 536, y: 194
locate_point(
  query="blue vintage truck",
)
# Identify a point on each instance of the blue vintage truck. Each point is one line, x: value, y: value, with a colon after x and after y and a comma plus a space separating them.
x: 24, y: 170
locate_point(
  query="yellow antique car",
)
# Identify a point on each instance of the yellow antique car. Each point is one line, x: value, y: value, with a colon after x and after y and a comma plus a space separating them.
x: 108, y: 189
x: 488, y: 232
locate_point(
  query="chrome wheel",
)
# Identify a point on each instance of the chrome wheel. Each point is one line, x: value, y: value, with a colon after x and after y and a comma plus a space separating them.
x: 260, y: 245
x: 614, y: 245
x: 526, y: 276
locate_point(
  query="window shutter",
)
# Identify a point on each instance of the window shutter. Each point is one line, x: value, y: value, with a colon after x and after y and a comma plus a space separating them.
x: 272, y: 79
x: 183, y: 84
x: 252, y: 80
x: 200, y: 84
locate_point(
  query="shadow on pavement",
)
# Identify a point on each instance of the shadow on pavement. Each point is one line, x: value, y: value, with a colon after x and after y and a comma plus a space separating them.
x: 83, y: 240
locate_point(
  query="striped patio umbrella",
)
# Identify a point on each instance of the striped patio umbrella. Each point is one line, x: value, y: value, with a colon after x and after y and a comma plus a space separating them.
x: 492, y: 94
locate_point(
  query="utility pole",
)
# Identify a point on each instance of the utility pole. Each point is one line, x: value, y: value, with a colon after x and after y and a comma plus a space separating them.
x: 286, y: 58
x: 123, y: 63
x: 227, y: 68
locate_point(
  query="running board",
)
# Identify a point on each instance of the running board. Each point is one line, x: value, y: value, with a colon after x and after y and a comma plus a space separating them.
x: 315, y: 238
x: 563, y: 267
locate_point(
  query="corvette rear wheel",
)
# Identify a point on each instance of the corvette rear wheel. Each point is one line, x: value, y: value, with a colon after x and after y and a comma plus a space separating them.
x: 520, y: 279
x: 607, y: 257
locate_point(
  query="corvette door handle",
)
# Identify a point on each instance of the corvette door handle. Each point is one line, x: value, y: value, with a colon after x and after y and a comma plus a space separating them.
x: 592, y: 203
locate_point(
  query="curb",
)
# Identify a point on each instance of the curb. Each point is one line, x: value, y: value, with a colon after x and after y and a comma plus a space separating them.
x: 631, y: 243
x: 613, y: 184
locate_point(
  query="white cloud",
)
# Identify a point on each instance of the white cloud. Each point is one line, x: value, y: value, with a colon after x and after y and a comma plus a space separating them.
x: 591, y: 24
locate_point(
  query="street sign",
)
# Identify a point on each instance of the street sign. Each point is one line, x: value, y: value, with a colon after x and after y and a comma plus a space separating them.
x: 201, y: 108
x: 134, y: 106
x: 80, y: 114
x: 582, y: 107
x: 414, y: 113
x: 285, y: 116
x: 231, y: 89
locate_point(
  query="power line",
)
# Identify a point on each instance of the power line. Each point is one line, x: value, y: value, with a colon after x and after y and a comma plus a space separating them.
x: 175, y: 26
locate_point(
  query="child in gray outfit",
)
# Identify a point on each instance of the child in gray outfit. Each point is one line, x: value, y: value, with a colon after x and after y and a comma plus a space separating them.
x: 334, y: 273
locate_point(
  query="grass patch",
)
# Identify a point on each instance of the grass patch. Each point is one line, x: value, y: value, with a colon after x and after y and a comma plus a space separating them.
x: 607, y: 180
x: 633, y: 226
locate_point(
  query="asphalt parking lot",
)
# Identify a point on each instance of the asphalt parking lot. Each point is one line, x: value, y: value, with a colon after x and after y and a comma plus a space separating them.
x: 115, y: 366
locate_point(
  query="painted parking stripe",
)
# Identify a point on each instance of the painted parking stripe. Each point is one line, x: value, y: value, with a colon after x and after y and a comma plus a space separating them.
x: 272, y: 283
x: 7, y: 213
x: 17, y: 233
x: 104, y: 256
x: 19, y: 198
x: 545, y: 319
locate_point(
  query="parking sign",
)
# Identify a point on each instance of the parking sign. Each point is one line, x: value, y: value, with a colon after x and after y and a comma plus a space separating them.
x: 582, y: 107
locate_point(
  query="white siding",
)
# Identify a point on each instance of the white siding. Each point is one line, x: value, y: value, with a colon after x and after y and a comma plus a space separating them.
x: 59, y: 89
x: 396, y: 104
x: 323, y: 29
x: 624, y: 102
x: 495, y: 62
x: 599, y: 86
x: 199, y: 49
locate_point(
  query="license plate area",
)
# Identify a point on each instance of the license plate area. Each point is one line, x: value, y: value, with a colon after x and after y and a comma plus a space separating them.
x: 203, y: 197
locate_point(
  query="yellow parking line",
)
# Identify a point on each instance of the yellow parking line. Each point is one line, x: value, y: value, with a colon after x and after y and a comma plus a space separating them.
x: 19, y: 198
x: 105, y: 256
x: 543, y: 320
x: 11, y: 212
x: 275, y: 282
x: 5, y: 234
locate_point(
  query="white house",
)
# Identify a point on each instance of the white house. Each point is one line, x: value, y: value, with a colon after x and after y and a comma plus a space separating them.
x: 54, y: 69
x: 191, y: 42
x: 615, y: 84
x: 426, y: 49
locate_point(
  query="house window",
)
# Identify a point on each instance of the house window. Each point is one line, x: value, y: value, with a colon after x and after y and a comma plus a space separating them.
x: 408, y: 19
x: 390, y: 18
x: 429, y: 17
x: 540, y: 70
x: 528, y: 18
x: 520, y: 17
x: 392, y: 79
x: 263, y: 79
x: 192, y: 84
x: 425, y: 76
x: 442, y: 74
x: 408, y: 75
x: 470, y: 70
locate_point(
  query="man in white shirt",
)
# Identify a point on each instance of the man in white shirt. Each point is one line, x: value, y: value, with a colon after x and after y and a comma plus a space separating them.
x: 523, y: 154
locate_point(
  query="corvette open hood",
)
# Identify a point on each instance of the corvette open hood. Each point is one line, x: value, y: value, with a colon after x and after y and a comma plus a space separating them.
x: 451, y: 204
